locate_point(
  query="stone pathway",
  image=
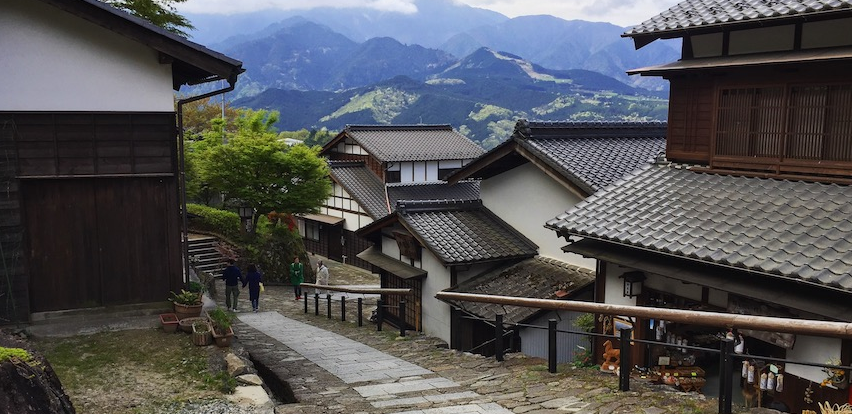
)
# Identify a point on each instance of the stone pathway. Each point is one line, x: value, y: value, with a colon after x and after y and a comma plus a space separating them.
x: 388, y: 381
x: 332, y: 366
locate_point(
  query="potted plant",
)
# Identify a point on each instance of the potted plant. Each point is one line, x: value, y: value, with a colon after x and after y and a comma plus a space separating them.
x: 201, y: 335
x: 169, y: 321
x: 187, y: 304
x: 221, y: 323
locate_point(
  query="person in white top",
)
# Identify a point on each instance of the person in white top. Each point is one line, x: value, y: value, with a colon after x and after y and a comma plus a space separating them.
x: 322, y: 274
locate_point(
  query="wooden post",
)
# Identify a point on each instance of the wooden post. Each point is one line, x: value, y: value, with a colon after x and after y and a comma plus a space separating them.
x: 551, y: 346
x: 498, y: 337
x: 625, y: 366
x: 360, y: 312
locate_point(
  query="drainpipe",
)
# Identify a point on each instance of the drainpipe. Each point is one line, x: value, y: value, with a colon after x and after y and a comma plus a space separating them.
x: 232, y: 81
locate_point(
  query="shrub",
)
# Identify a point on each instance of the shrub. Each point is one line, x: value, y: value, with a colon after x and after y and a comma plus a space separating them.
x: 226, y: 223
x: 274, y: 252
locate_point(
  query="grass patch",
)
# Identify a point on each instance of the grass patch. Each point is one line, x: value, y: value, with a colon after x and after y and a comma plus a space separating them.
x: 126, y: 371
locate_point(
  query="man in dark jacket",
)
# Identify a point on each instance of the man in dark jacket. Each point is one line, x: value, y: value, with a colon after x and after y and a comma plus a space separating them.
x: 233, y: 277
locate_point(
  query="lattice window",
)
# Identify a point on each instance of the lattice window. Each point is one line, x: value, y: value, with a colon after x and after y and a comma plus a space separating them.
x: 794, y: 123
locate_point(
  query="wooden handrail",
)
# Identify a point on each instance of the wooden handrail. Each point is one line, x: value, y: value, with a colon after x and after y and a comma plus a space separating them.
x: 720, y: 319
x: 375, y: 291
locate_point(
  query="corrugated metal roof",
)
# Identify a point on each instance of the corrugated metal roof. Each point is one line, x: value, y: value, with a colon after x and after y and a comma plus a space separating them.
x: 413, y: 142
x: 464, y: 232
x: 538, y: 277
x: 792, y: 229
x: 692, y: 14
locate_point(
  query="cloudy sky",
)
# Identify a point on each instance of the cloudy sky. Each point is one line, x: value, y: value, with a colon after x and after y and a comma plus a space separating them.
x: 620, y: 12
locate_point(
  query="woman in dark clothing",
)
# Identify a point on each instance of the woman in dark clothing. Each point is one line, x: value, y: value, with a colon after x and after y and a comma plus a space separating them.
x: 253, y: 280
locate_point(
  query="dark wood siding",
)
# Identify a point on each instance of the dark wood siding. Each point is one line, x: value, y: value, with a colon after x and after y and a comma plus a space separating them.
x: 89, y: 214
x: 14, y: 301
x: 413, y: 302
x: 97, y: 242
x: 690, y: 121
x: 86, y: 144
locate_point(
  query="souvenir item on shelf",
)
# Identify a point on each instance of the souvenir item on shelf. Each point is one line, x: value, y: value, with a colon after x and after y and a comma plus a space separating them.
x: 779, y: 383
x: 739, y: 348
x: 745, y: 369
x: 763, y: 381
x: 770, y: 381
x: 750, y: 375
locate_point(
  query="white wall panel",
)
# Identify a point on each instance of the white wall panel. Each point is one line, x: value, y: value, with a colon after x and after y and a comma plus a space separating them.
x: 525, y: 197
x: 53, y: 61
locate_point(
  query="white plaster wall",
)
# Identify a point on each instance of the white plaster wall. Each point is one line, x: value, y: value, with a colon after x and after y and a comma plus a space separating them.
x: 349, y: 146
x: 53, y: 61
x: 525, y: 197
x: 436, y: 314
x: 812, y: 349
x: 614, y: 293
x: 827, y: 33
x: 674, y: 286
x: 764, y: 39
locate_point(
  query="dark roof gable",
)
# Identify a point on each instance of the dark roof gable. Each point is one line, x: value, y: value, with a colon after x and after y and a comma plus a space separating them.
x: 589, y: 155
x: 191, y: 62
x: 389, y: 143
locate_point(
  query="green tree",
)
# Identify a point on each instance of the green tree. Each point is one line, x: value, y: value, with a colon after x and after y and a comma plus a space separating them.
x: 256, y: 168
x: 161, y: 13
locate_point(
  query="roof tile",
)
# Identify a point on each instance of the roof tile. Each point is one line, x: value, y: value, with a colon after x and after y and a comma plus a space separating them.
x: 464, y: 232
x: 691, y: 14
x: 414, y: 142
x: 537, y: 277
x: 796, y: 229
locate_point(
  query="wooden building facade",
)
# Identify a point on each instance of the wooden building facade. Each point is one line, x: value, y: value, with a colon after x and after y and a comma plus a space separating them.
x: 89, y: 166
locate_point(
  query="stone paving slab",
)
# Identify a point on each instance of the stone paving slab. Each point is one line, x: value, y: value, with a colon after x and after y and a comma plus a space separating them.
x: 337, y: 354
x: 489, y: 408
x: 381, y: 390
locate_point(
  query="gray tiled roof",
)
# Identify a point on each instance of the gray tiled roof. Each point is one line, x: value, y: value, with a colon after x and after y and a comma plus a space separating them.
x: 793, y: 229
x: 433, y: 190
x: 464, y: 232
x: 413, y: 142
x: 538, y: 277
x: 692, y: 14
x: 364, y: 186
x: 593, y: 155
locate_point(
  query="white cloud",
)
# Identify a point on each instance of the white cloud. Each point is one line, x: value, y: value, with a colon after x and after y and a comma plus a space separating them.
x: 619, y: 12
x: 245, y: 6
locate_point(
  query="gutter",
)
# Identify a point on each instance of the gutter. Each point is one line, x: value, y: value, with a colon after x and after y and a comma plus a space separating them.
x: 232, y: 81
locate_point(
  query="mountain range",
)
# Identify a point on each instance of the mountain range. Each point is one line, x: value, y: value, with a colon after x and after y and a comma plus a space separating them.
x: 445, y: 63
x: 482, y: 96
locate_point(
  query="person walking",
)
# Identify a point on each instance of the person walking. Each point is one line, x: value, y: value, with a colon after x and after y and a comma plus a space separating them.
x: 322, y: 274
x: 297, y: 276
x: 253, y: 280
x: 232, y: 276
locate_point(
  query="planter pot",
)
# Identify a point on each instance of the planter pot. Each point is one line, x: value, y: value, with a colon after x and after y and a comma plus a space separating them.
x: 201, y: 336
x: 186, y: 323
x: 169, y: 322
x: 223, y: 340
x: 187, y: 311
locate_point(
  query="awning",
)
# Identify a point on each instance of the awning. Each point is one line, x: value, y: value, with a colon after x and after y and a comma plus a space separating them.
x: 777, y: 289
x: 323, y: 218
x: 761, y: 59
x: 385, y: 262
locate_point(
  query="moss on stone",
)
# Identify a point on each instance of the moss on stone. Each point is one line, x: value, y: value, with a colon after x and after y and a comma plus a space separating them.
x: 9, y: 353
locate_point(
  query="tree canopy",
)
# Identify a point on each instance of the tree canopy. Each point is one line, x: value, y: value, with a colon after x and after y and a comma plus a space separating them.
x: 161, y: 13
x: 254, y: 167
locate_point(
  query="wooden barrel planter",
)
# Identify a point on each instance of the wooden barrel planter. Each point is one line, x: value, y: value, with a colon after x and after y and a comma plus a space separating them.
x: 201, y: 334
